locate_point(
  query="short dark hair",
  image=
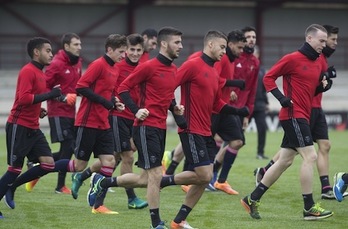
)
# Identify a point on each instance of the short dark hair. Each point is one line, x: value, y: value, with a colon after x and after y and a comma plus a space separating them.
x: 331, y: 29
x: 211, y: 34
x: 66, y: 38
x: 150, y: 33
x: 134, y: 39
x: 167, y: 31
x: 248, y: 29
x: 115, y: 41
x: 236, y: 36
x: 36, y: 43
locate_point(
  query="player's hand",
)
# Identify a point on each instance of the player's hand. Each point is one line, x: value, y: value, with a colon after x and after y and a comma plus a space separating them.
x: 179, y: 109
x: 142, y: 114
x: 233, y: 96
x: 286, y: 102
x: 71, y: 99
x: 43, y: 112
x: 56, y: 91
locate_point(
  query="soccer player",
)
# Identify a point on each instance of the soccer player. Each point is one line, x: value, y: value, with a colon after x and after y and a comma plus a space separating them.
x: 197, y: 77
x: 23, y: 135
x: 227, y: 127
x: 156, y: 81
x: 65, y: 70
x: 150, y: 43
x: 319, y: 128
x: 94, y: 133
x: 122, y: 124
x: 301, y: 71
x: 246, y: 68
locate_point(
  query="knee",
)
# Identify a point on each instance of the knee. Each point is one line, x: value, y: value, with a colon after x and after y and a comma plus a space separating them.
x: 324, y: 146
x: 237, y: 144
x: 127, y: 158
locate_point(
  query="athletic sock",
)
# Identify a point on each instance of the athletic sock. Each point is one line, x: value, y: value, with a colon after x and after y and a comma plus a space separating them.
x: 308, y: 201
x: 155, y: 218
x: 345, y: 178
x: 8, y: 178
x: 167, y: 180
x: 182, y: 214
x: 325, y: 184
x: 172, y: 167
x: 229, y: 158
x: 86, y: 174
x: 269, y: 165
x: 258, y: 192
x: 130, y: 193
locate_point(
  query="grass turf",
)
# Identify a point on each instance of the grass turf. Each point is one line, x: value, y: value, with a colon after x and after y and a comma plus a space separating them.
x: 281, y: 206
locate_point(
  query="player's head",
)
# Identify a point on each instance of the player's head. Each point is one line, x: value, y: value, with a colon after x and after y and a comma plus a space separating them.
x: 71, y: 43
x: 115, y: 47
x: 135, y: 47
x: 332, y: 37
x: 250, y: 35
x: 170, y: 42
x: 316, y: 37
x: 39, y: 49
x: 150, y: 39
x: 235, y: 44
x: 215, y: 43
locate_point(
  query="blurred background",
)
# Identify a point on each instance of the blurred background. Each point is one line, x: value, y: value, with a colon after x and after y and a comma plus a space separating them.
x: 280, y: 26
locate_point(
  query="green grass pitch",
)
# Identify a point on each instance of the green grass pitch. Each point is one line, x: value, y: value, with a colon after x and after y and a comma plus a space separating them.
x: 281, y: 206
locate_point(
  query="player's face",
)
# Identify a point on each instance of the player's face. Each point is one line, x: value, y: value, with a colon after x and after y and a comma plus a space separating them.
x: 250, y: 38
x: 317, y: 40
x: 332, y: 41
x: 174, y: 46
x: 134, y: 52
x: 218, y: 48
x: 74, y: 47
x: 44, y: 55
x: 236, y: 48
x: 118, y: 54
x: 150, y: 43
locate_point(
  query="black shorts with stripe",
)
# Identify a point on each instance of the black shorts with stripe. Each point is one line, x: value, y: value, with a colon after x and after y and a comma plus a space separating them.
x: 61, y: 128
x: 199, y: 150
x: 318, y: 125
x: 25, y: 142
x: 297, y: 133
x: 122, y: 129
x: 89, y: 140
x: 150, y: 143
x: 228, y: 127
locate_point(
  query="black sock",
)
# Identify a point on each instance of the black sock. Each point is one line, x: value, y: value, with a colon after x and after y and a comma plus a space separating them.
x: 226, y: 166
x: 61, y: 165
x: 7, y: 179
x: 258, y: 192
x: 166, y: 181
x: 130, y: 193
x: 109, y: 182
x: 86, y: 174
x: 29, y: 175
x: 269, y: 165
x: 182, y: 214
x: 345, y: 178
x: 308, y: 201
x: 325, y: 184
x: 217, y: 166
x: 61, y: 180
x: 155, y: 217
x: 172, y: 167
